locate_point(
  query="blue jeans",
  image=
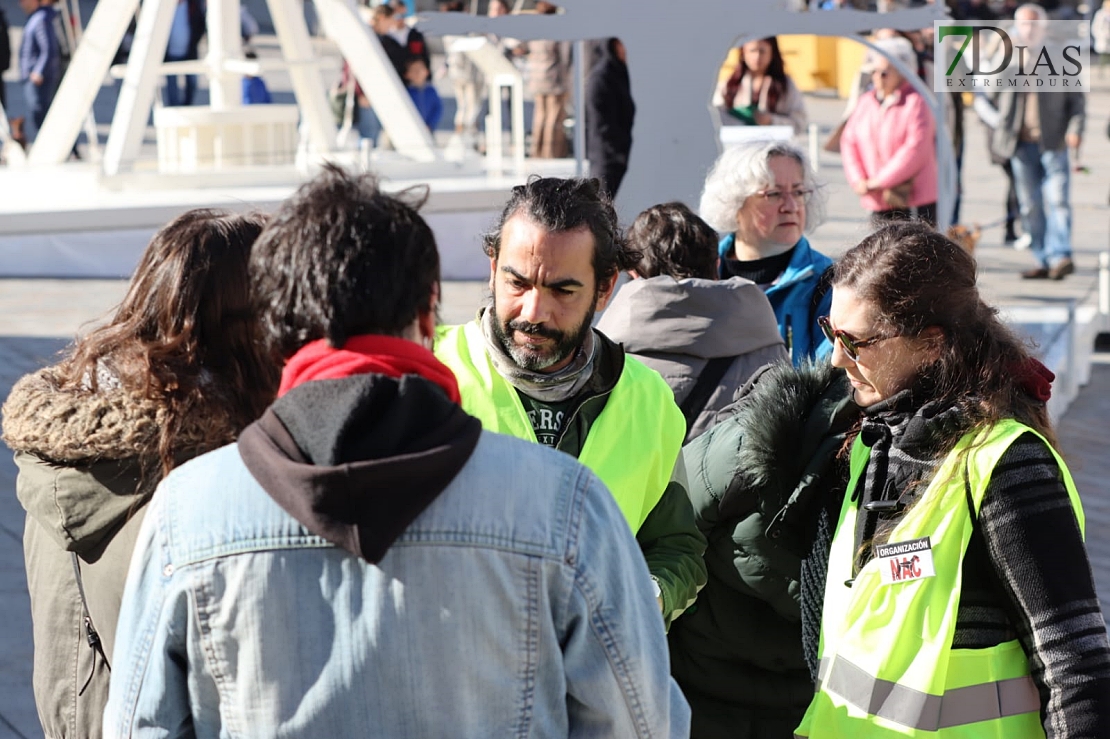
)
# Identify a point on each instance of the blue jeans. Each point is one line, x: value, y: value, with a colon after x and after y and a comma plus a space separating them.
x: 369, y: 126
x: 1042, y: 182
x: 172, y: 95
x: 38, y: 99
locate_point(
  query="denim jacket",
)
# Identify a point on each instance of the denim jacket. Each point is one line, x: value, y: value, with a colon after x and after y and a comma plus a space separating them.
x: 517, y: 604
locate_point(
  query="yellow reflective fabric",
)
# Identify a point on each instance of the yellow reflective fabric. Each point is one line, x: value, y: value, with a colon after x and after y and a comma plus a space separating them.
x: 887, y: 666
x: 632, y: 446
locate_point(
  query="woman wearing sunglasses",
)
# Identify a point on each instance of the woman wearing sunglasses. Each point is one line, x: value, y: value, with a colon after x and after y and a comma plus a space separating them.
x: 888, y: 146
x: 958, y: 600
x: 762, y: 197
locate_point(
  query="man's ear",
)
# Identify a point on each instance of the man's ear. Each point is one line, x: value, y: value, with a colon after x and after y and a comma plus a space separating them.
x: 605, y: 291
x: 426, y: 320
x: 492, y: 272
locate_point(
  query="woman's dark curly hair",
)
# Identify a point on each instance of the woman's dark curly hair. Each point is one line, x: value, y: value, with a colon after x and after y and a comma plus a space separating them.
x: 918, y: 279
x: 185, y: 334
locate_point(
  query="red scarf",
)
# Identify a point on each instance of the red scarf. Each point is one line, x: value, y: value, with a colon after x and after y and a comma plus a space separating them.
x: 366, y: 354
x: 1034, y: 378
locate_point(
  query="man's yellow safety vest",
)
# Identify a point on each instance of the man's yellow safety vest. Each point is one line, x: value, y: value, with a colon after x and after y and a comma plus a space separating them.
x: 887, y: 666
x: 632, y: 446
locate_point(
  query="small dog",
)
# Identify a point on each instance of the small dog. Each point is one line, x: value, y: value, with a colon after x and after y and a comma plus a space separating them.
x: 964, y: 236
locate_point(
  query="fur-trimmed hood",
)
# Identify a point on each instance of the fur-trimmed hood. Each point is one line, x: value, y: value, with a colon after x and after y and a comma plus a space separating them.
x: 789, y: 408
x: 73, y: 425
x: 88, y: 459
x: 770, y: 451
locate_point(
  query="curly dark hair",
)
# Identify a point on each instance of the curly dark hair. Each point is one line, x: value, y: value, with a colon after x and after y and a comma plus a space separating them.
x: 673, y: 241
x: 918, y: 279
x: 185, y: 334
x: 565, y: 205
x: 341, y: 258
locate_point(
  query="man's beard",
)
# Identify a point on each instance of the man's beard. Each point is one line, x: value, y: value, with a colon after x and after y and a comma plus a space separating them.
x: 536, y: 359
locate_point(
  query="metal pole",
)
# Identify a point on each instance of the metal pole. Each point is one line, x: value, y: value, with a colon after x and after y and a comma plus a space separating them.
x: 814, y: 149
x: 579, y: 109
x: 1072, y: 384
x: 77, y: 28
x: 1104, y: 287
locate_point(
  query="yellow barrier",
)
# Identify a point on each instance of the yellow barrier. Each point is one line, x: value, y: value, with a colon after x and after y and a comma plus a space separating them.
x: 813, y: 62
x: 810, y: 61
x: 849, y: 58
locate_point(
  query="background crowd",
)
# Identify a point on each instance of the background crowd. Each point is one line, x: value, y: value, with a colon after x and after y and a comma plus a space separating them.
x: 886, y: 138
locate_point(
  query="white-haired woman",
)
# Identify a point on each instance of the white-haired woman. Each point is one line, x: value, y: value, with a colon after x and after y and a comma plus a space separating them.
x: 762, y: 196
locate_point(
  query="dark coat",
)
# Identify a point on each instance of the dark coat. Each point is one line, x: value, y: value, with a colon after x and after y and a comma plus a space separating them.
x: 609, y: 116
x: 397, y: 54
x: 756, y: 481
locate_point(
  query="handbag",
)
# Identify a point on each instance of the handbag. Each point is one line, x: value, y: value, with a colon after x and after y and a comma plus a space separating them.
x: 745, y: 114
x: 832, y: 144
x: 342, y: 103
x: 899, y: 195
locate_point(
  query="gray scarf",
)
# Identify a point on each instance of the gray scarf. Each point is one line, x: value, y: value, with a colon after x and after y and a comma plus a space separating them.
x: 553, y: 388
x: 907, y: 445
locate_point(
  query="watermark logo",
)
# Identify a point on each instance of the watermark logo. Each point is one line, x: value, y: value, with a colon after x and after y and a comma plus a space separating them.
x: 1019, y: 56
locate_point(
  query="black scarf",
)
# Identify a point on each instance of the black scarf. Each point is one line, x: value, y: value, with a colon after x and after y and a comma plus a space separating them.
x: 908, y: 442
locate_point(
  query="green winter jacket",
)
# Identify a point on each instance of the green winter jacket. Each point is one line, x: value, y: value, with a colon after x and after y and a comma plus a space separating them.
x: 88, y: 464
x: 756, y: 480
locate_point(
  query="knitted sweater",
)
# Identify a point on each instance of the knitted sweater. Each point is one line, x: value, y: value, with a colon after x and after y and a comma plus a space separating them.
x: 1026, y: 575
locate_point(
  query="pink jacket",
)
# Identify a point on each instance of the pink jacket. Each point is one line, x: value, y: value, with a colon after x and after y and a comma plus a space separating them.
x: 890, y: 145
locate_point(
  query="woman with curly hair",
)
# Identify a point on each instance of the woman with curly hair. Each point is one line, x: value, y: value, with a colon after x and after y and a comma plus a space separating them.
x: 177, y: 372
x: 958, y: 599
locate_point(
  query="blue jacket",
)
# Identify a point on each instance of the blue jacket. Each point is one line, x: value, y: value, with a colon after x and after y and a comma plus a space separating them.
x: 791, y: 297
x: 427, y: 103
x: 255, y: 92
x: 516, y: 604
x: 39, y: 52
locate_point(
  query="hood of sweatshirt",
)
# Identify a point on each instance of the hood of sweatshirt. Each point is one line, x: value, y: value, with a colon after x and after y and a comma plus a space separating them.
x: 692, y: 316
x: 356, y: 460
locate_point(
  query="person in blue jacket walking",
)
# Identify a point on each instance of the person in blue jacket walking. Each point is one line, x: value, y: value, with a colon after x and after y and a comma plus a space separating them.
x: 423, y: 92
x: 762, y: 196
x: 40, y: 62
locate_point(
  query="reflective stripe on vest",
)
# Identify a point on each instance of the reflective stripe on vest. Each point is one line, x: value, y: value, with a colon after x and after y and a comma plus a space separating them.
x: 887, y: 664
x: 918, y: 710
x: 632, y: 445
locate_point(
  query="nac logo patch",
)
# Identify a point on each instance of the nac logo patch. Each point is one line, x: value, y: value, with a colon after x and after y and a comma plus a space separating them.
x: 905, y: 561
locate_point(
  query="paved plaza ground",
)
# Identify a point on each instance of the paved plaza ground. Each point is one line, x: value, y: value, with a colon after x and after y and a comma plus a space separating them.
x: 38, y: 317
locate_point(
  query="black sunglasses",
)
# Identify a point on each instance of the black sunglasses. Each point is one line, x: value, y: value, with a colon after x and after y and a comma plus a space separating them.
x: 848, y: 343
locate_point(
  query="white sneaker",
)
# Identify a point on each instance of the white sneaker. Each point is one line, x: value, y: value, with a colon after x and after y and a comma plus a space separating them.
x: 1023, y: 242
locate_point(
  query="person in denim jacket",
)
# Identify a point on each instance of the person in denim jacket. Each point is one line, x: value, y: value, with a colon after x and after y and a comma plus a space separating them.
x: 367, y: 561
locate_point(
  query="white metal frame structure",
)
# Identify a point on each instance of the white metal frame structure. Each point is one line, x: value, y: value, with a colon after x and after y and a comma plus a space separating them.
x: 223, y: 65
x: 674, y: 54
x: 499, y: 74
